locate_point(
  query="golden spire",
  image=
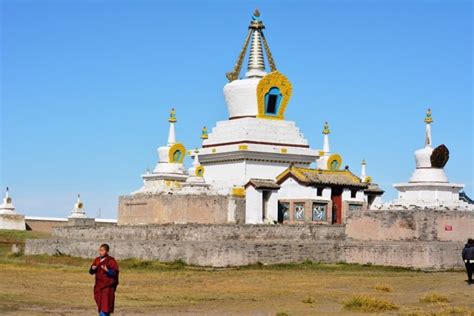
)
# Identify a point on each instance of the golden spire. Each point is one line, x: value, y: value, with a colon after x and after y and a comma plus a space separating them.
x: 256, y: 64
x: 326, y: 128
x: 172, y: 118
x: 204, y: 133
x: 428, y: 118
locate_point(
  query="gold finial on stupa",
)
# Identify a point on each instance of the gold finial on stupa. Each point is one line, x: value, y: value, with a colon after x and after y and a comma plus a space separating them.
x: 326, y: 128
x: 428, y: 118
x: 172, y: 118
x: 204, y: 133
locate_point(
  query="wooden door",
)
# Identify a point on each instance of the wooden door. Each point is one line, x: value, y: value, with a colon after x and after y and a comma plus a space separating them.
x: 336, y: 198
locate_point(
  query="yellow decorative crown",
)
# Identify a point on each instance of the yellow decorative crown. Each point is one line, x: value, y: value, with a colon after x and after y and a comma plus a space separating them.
x: 172, y: 118
x: 275, y: 79
x: 428, y: 118
x: 334, y: 162
x: 326, y: 128
x: 176, y: 153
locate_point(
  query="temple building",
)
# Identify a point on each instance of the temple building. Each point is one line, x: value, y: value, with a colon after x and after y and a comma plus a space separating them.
x: 326, y: 194
x: 254, y: 167
x: 9, y: 218
x: 429, y: 186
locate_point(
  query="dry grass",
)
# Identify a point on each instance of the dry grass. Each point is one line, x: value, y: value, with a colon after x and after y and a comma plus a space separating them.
x: 383, y: 288
x: 364, y: 303
x: 42, y: 285
x: 434, y: 298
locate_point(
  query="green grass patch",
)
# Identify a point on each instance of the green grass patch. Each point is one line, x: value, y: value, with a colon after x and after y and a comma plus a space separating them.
x: 19, y: 236
x: 365, y: 303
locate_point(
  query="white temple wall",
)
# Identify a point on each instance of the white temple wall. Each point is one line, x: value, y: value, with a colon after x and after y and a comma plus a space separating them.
x: 290, y: 189
x: 253, y: 206
x: 272, y: 208
x: 226, y: 175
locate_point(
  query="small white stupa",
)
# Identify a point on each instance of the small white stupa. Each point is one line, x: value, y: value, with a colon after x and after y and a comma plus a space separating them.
x: 78, y: 211
x: 429, y: 186
x: 169, y: 174
x: 326, y: 160
x: 195, y: 182
x: 9, y: 218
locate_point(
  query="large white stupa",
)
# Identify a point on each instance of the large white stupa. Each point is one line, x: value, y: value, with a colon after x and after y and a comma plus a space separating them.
x: 429, y: 186
x: 256, y: 141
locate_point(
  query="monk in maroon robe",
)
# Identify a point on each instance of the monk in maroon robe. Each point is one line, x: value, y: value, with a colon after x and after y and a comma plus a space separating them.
x: 106, y: 272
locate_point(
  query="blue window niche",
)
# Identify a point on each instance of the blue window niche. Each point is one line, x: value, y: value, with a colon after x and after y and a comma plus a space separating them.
x: 272, y: 101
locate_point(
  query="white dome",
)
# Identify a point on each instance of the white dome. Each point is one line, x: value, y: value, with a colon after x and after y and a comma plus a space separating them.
x: 241, y: 97
x: 424, y: 172
x: 423, y: 157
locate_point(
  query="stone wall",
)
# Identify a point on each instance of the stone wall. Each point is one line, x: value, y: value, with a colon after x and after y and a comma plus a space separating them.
x: 426, y: 225
x: 43, y: 225
x: 410, y: 239
x: 172, y: 208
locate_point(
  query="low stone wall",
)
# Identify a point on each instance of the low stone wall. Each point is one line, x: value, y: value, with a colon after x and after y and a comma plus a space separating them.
x: 236, y: 245
x: 174, y: 208
x: 425, y: 225
x: 432, y: 255
x: 207, y: 232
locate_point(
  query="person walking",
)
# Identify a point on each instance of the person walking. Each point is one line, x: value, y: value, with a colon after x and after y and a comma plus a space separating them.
x: 468, y: 258
x: 106, y: 272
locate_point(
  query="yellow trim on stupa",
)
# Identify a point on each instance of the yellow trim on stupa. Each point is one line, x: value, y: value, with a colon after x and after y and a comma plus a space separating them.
x: 243, y: 147
x: 332, y: 158
x: 173, y: 150
x: 199, y: 172
x: 238, y: 191
x: 275, y: 79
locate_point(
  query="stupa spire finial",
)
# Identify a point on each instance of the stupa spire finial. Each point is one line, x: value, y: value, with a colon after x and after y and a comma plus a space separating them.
x: 428, y: 121
x: 326, y: 129
x: 172, y: 134
x: 7, y: 192
x: 204, y: 133
x: 363, y: 175
x: 326, y: 133
x: 256, y: 62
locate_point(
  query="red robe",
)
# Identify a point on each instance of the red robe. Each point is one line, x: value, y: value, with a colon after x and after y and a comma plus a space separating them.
x: 105, y: 284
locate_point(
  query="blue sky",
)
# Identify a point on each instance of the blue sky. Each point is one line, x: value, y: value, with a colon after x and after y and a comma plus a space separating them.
x: 86, y: 86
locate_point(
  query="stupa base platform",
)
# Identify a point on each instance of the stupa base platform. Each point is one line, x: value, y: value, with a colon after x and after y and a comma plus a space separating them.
x: 12, y: 221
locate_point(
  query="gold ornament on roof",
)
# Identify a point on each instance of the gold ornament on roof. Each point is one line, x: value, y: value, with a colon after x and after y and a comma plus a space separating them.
x: 326, y: 128
x: 428, y: 118
x: 172, y: 118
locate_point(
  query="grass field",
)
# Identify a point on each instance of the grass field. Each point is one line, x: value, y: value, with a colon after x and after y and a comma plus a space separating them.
x: 39, y: 285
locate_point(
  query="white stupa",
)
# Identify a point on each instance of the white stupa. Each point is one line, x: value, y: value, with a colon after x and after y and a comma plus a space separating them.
x: 195, y: 182
x: 169, y: 174
x: 256, y: 141
x: 78, y: 211
x: 429, y: 186
x: 9, y: 218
